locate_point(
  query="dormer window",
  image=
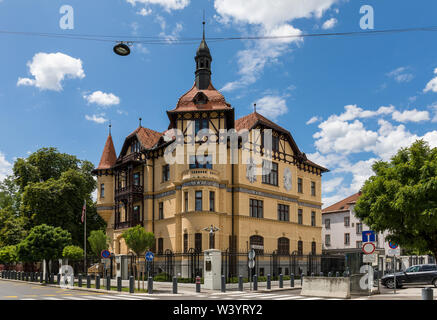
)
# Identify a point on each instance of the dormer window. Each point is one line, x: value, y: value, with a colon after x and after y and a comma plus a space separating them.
x: 135, y: 146
x: 200, y: 98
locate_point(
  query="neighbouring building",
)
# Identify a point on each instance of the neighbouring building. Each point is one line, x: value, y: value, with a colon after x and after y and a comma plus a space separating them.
x: 276, y: 212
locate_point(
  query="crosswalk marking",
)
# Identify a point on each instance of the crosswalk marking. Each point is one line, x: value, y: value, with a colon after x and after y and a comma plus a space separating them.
x: 290, y: 298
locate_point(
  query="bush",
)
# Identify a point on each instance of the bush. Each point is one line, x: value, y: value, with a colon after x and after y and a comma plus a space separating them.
x: 72, y: 253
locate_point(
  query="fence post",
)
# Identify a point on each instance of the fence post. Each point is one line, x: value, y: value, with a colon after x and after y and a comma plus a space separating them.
x: 197, y: 284
x: 269, y: 282
x: 255, y: 282
x: 119, y: 284
x: 292, y: 280
x: 150, y: 285
x: 312, y: 274
x: 98, y: 281
x: 88, y: 281
x: 131, y: 284
x: 175, y: 285
x: 58, y: 279
x: 41, y: 277
x: 223, y: 287
x: 281, y: 281
x: 240, y: 283
x: 108, y: 283
x: 337, y: 274
x: 80, y: 281
x: 321, y: 274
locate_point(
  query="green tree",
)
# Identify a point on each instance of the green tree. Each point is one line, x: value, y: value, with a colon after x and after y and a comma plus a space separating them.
x: 138, y: 240
x: 401, y: 198
x: 98, y: 241
x: 73, y: 252
x: 12, y: 227
x: 53, y: 186
x: 43, y: 243
x: 8, y: 255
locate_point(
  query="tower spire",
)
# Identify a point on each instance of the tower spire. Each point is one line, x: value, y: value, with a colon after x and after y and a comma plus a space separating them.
x: 110, y: 125
x: 203, y: 23
x: 203, y: 63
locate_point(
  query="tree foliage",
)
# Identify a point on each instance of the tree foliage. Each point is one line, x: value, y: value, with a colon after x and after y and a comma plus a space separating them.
x: 43, y: 242
x: 98, y: 241
x: 401, y: 198
x: 8, y: 255
x: 138, y: 240
x: 73, y: 252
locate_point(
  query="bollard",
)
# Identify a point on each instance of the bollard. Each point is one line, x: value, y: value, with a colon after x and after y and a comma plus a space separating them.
x: 108, y: 283
x: 321, y: 274
x: 58, y: 279
x: 344, y: 274
x: 281, y: 281
x: 292, y: 280
x: 80, y: 281
x: 269, y: 282
x: 329, y: 274
x: 312, y: 274
x: 131, y: 284
x: 88, y: 281
x: 255, y: 282
x: 150, y: 285
x: 197, y: 284
x: 119, y: 284
x: 98, y: 281
x: 47, y: 278
x: 52, y: 278
x: 175, y: 285
x: 240, y: 283
x: 337, y: 274
x: 223, y: 286
x: 301, y: 280
x: 41, y: 277
x: 427, y: 294
x: 31, y: 277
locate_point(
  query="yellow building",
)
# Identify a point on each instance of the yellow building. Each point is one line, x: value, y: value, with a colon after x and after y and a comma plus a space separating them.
x: 279, y: 211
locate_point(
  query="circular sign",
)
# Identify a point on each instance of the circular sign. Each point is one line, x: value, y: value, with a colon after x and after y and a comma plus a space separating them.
x: 149, y: 256
x: 251, y: 254
x: 251, y: 264
x: 105, y: 254
x: 393, y: 245
x: 368, y: 248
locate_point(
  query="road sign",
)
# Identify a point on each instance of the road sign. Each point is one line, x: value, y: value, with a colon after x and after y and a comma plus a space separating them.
x: 105, y: 254
x: 370, y: 258
x: 368, y: 236
x: 251, y: 254
x: 149, y: 256
x: 368, y: 248
x: 251, y: 264
x: 394, y: 252
x: 393, y: 245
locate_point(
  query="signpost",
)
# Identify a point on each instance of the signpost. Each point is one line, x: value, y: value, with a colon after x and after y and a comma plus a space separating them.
x: 105, y: 254
x: 251, y: 264
x: 149, y: 259
x: 369, y: 255
x: 368, y: 236
x: 394, y: 251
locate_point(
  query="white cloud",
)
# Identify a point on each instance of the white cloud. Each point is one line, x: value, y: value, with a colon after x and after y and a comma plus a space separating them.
x: 328, y: 160
x: 173, y: 35
x: 271, y: 106
x: 5, y: 167
x: 102, y: 99
x: 329, y: 24
x: 411, y: 116
x: 50, y: 69
x: 96, y: 118
x: 401, y: 75
x: 144, y: 12
x: 168, y: 5
x: 434, y: 108
x: 331, y: 185
x: 313, y: 120
x: 432, y: 85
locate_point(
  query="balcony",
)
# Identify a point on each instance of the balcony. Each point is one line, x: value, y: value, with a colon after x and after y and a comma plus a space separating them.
x: 135, y: 190
x: 126, y: 224
x: 200, y: 173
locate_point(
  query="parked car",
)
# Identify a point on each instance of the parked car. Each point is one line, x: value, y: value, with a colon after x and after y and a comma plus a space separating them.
x: 418, y: 274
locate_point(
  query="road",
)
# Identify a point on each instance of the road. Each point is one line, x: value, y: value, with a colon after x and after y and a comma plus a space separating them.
x: 29, y: 291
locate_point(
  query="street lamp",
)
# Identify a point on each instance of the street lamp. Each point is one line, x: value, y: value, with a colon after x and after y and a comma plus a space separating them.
x: 121, y: 49
x: 211, y: 230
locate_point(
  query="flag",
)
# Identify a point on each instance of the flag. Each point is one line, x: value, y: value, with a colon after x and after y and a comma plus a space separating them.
x: 84, y: 210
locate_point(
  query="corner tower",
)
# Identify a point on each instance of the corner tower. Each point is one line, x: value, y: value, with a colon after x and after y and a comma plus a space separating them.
x: 203, y: 64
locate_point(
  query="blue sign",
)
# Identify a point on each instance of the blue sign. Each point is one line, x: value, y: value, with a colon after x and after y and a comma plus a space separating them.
x: 368, y: 236
x: 105, y: 254
x: 392, y: 245
x: 149, y: 256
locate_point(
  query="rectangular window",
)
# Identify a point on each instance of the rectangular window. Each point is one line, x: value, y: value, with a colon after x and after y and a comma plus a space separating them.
x: 185, y: 242
x: 300, y: 248
x: 165, y: 173
x: 256, y: 208
x: 160, y: 246
x: 313, y: 218
x: 327, y: 223
x: 186, y: 201
x: 327, y: 240
x: 161, y: 210
x: 313, y: 247
x: 283, y: 212
x: 299, y: 216
x: 299, y: 185
x: 201, y: 162
x: 102, y: 190
x: 359, y: 227
x: 275, y: 143
x: 211, y: 201
x: 136, y: 178
x: 346, y: 221
x: 198, y: 242
x: 347, y: 239
x: 313, y: 188
x: 198, y: 200
x: 359, y: 244
x: 270, y: 173
x: 136, y: 213
x: 201, y: 124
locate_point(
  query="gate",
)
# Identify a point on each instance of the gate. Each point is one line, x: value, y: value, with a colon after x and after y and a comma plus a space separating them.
x: 194, y: 264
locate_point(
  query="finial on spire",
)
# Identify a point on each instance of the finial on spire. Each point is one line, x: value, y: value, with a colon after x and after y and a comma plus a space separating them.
x: 110, y: 125
x: 140, y: 121
x: 254, y: 107
x: 203, y: 23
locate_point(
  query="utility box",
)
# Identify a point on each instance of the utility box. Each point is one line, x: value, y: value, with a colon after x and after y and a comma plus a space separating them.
x: 212, y: 269
x: 122, y: 268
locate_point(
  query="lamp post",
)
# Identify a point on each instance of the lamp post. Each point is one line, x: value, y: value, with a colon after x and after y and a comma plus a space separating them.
x: 212, y: 231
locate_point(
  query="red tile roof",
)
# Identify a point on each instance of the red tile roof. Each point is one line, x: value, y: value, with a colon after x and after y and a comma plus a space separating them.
x: 109, y: 156
x: 147, y: 137
x: 342, y: 205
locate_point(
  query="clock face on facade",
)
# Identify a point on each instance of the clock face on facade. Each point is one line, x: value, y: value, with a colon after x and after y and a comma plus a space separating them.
x: 250, y: 171
x: 287, y: 179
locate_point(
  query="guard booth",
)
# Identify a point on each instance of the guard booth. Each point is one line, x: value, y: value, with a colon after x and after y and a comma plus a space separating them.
x: 122, y: 267
x: 212, y: 267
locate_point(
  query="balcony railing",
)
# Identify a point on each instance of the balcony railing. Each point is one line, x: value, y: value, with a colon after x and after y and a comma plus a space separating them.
x: 200, y: 173
x: 136, y: 189
x: 127, y: 224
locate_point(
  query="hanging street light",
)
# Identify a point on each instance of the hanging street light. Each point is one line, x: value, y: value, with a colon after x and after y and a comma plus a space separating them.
x: 122, y: 49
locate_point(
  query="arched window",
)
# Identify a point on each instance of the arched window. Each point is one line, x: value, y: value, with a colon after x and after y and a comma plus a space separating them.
x: 257, y: 243
x: 283, y: 246
x: 313, y: 247
x: 160, y: 245
x: 300, y: 247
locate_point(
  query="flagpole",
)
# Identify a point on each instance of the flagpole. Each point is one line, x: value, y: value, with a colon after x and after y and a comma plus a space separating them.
x: 84, y: 240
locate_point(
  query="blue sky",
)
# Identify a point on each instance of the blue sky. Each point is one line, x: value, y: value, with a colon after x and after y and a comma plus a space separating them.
x: 346, y: 100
